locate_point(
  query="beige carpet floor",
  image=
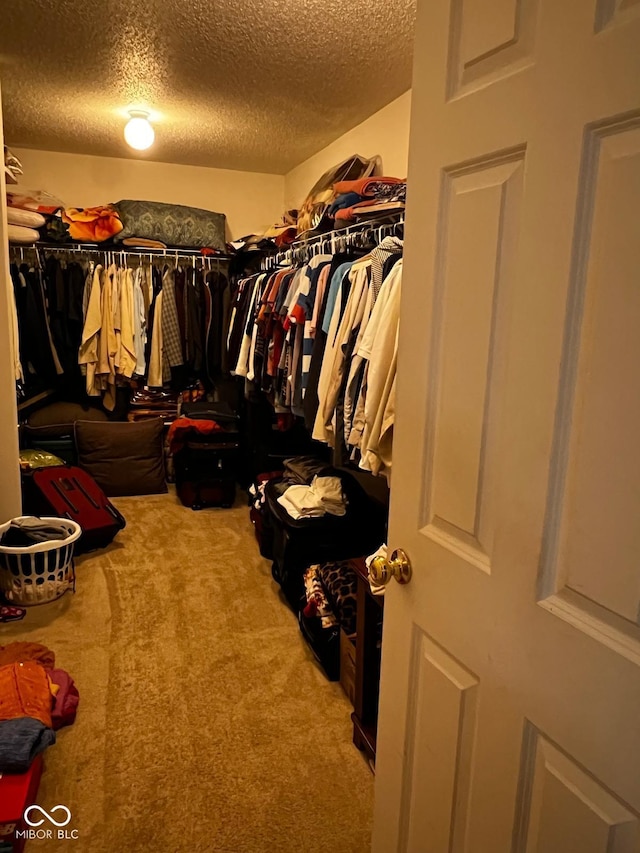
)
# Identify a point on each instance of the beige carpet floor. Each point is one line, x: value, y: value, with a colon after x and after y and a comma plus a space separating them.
x: 204, y: 723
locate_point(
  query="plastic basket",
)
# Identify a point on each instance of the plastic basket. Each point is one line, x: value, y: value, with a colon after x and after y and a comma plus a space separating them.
x: 39, y: 573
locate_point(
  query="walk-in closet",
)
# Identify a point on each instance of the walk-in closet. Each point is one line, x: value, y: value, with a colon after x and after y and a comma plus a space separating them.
x: 203, y: 330
x: 318, y: 426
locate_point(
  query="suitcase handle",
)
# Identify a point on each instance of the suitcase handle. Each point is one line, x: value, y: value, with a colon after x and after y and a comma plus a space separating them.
x: 62, y: 494
x: 82, y: 489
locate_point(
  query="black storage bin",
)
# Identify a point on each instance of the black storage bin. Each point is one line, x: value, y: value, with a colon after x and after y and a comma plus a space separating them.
x: 298, y: 544
x: 323, y: 642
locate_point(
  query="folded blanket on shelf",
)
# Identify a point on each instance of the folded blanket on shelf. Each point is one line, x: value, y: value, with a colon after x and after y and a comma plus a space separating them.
x: 20, y: 234
x: 25, y: 218
x: 20, y: 741
x: 342, y: 201
x: 92, y: 224
x: 367, y: 187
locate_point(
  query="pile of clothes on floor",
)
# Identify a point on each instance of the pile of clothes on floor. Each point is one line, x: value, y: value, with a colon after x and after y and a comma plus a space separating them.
x: 36, y: 699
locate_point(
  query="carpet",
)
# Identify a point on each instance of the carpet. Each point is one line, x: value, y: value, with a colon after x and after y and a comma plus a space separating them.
x: 204, y: 722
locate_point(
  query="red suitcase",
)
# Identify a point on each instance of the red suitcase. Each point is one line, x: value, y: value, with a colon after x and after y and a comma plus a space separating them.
x: 70, y: 492
x: 16, y: 793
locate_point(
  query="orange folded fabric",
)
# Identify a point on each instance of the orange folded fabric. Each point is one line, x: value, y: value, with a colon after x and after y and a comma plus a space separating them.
x: 362, y: 185
x: 25, y: 691
x: 92, y: 224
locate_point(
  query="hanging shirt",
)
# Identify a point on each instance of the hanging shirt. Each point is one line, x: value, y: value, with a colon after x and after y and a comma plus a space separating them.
x: 155, y: 378
x: 380, y: 345
x: 170, y: 327
x: 139, y: 323
x: 89, y: 354
x: 128, y: 358
x: 343, y: 325
x: 108, y: 344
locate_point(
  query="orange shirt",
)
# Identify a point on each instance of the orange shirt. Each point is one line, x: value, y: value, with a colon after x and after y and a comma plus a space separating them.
x: 25, y: 691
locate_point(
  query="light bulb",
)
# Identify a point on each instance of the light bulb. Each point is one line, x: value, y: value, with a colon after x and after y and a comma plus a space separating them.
x: 138, y: 132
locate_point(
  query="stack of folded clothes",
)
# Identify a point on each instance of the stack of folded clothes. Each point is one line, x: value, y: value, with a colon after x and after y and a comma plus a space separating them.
x: 367, y: 197
x: 323, y: 496
x: 36, y: 699
x: 26, y: 214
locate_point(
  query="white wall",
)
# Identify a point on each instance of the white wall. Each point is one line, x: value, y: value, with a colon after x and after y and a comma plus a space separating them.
x: 251, y: 201
x: 385, y: 132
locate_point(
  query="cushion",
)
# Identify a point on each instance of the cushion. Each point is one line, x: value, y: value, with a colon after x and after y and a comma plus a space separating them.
x: 123, y: 458
x: 172, y: 224
x: 26, y: 218
x: 20, y: 234
x: 57, y: 419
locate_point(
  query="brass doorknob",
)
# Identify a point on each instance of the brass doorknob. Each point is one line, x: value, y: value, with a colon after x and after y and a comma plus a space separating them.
x: 382, y: 570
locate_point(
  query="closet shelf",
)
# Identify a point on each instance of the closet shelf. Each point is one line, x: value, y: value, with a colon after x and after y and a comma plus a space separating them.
x: 102, y: 249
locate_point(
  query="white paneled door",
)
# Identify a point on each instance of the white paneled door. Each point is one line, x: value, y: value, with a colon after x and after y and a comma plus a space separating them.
x: 10, y: 495
x: 510, y: 702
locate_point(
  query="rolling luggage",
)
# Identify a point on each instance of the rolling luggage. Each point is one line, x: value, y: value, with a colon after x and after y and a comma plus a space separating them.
x: 222, y: 413
x: 205, y: 471
x: 206, y: 467
x: 70, y: 492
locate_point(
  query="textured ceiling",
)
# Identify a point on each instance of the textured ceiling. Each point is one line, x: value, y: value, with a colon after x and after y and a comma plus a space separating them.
x: 239, y: 84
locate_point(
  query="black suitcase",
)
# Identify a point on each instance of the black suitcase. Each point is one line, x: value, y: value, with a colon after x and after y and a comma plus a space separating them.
x: 298, y: 544
x: 205, y: 471
x: 221, y: 413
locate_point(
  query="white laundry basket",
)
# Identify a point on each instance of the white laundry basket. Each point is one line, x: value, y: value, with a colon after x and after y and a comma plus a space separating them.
x: 41, y: 572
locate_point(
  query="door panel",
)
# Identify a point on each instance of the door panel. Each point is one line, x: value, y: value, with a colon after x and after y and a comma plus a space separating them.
x: 488, y: 47
x: 601, y: 343
x: 562, y: 808
x: 510, y: 680
x: 479, y: 226
x: 440, y: 738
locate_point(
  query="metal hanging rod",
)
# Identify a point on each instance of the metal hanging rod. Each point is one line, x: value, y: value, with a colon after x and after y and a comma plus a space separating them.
x: 395, y: 217
x: 335, y: 241
x: 134, y: 251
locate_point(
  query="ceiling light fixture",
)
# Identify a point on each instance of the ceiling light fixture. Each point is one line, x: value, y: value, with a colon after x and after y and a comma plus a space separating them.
x: 138, y: 132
